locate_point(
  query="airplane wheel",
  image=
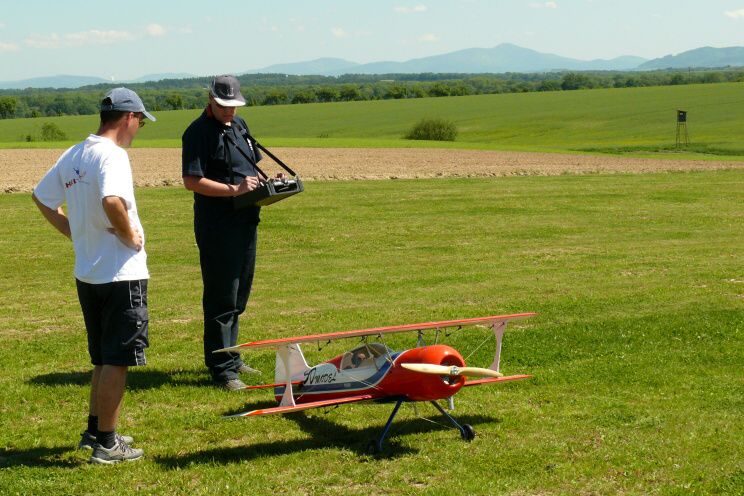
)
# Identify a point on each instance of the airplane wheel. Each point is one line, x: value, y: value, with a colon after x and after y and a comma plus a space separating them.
x: 468, y: 433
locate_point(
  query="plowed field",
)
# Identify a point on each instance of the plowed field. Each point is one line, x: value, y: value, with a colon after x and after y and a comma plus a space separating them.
x: 162, y: 166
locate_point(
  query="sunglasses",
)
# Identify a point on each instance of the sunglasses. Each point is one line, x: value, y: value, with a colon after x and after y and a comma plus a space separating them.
x: 141, y: 119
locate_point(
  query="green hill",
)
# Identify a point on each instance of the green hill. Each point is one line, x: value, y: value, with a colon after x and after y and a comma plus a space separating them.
x: 604, y: 120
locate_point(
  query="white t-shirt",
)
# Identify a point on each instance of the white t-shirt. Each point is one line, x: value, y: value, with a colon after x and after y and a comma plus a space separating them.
x: 82, y: 177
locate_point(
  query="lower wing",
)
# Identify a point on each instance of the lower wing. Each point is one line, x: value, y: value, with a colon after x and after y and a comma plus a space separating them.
x: 303, y: 406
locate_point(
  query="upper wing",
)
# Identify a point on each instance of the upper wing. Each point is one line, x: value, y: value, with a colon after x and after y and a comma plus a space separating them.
x: 272, y: 343
x: 488, y: 380
x: 303, y: 406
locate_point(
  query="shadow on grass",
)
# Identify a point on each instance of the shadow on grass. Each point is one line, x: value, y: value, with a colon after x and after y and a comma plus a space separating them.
x: 38, y: 457
x: 324, y: 434
x: 137, y: 378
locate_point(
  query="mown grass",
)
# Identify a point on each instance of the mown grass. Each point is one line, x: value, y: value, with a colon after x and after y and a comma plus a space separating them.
x: 636, y: 353
x: 638, y: 120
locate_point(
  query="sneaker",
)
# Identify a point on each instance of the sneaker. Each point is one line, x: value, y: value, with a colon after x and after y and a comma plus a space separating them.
x: 119, y: 452
x: 88, y: 441
x: 231, y: 385
x: 245, y: 369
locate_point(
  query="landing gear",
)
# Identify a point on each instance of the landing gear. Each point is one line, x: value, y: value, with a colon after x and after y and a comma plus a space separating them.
x: 467, y: 432
x: 374, y: 447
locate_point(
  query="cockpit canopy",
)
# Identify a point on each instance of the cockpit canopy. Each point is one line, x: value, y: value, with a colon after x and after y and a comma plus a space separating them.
x: 364, y: 355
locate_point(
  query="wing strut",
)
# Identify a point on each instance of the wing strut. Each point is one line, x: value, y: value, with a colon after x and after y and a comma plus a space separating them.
x: 498, y: 330
x: 282, y: 353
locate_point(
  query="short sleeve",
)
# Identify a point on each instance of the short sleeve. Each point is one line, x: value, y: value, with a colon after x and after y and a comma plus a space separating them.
x: 49, y: 191
x: 193, y: 158
x: 116, y: 175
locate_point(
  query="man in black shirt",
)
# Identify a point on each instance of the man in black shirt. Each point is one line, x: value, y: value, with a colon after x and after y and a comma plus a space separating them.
x: 218, y: 159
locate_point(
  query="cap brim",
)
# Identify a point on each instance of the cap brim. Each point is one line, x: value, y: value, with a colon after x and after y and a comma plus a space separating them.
x: 148, y: 115
x: 229, y: 103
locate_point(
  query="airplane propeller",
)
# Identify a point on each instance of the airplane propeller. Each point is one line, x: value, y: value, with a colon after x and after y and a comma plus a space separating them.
x: 430, y: 368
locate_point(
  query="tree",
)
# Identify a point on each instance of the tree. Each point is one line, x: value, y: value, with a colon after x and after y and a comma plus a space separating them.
x: 7, y: 107
x: 174, y: 101
x: 304, y: 96
x: 275, y: 97
x: 396, y: 91
x: 349, y: 93
x: 327, y: 94
x: 573, y: 81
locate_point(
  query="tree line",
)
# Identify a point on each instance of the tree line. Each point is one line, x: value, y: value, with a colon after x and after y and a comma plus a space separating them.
x: 277, y: 89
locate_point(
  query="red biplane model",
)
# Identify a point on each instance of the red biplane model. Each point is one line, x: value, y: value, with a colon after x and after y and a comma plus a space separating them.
x: 373, y: 372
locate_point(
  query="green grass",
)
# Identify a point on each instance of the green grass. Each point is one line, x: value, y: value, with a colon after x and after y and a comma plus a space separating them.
x: 640, y: 121
x: 636, y: 353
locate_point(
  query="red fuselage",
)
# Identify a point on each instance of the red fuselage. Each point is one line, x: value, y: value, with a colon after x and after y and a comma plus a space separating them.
x: 382, y: 379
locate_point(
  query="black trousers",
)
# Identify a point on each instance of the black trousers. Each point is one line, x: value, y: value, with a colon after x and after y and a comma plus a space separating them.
x: 227, y: 254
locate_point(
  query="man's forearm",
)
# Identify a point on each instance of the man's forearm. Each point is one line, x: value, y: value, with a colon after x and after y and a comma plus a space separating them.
x: 116, y: 211
x: 56, y: 218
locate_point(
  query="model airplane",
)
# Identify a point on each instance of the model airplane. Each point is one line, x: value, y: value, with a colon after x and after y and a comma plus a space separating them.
x: 373, y: 372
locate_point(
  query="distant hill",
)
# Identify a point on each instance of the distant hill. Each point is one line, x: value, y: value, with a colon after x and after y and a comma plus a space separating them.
x: 160, y: 77
x: 321, y: 67
x: 699, y: 57
x: 62, y: 81
x: 65, y: 81
x: 502, y: 58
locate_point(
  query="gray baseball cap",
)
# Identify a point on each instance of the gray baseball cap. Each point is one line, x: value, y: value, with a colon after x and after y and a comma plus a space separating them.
x: 226, y: 91
x: 124, y: 100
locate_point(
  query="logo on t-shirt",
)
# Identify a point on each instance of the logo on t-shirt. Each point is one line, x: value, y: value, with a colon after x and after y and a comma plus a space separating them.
x: 79, y: 179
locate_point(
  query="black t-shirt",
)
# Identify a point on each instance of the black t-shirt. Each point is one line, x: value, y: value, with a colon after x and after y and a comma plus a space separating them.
x: 204, y: 154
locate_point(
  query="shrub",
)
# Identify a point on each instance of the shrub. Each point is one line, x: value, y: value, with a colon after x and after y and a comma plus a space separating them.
x: 433, y: 129
x: 51, y: 132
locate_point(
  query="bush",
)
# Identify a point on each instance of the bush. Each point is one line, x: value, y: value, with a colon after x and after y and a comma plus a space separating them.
x: 51, y: 132
x: 433, y: 129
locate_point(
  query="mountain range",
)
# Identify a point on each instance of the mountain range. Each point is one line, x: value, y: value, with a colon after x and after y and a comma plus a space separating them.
x: 499, y: 59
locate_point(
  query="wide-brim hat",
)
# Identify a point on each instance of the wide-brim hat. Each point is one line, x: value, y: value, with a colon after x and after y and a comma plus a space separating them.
x: 226, y: 91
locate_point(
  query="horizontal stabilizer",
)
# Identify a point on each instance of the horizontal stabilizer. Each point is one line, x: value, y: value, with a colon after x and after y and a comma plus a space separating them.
x: 303, y: 406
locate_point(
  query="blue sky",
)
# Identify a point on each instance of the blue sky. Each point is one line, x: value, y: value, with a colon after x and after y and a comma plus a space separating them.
x: 128, y: 39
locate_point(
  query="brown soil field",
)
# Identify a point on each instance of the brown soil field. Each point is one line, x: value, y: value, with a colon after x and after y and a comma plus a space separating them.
x: 162, y: 166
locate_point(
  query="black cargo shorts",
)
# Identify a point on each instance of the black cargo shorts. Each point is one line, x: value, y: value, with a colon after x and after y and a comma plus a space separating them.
x: 116, y: 320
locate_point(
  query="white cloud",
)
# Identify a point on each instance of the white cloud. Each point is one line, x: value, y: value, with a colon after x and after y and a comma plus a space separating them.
x: 339, y: 33
x: 8, y: 47
x: 544, y: 5
x: 428, y: 38
x: 155, y: 30
x: 410, y: 10
x: 50, y: 41
x: 96, y: 37
x: 735, y: 14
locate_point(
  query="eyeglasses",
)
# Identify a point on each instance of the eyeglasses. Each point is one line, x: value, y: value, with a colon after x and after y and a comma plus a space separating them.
x: 140, y: 118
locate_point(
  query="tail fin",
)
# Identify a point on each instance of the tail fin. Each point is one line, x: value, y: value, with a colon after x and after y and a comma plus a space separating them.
x: 290, y: 363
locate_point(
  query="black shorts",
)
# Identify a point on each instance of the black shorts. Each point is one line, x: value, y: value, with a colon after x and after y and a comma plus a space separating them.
x: 116, y: 320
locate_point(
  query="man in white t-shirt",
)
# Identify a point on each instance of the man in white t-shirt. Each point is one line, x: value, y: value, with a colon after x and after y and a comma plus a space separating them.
x: 94, y: 180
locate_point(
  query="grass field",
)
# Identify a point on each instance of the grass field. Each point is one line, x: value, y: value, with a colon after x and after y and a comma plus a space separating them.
x: 636, y: 353
x: 633, y: 120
